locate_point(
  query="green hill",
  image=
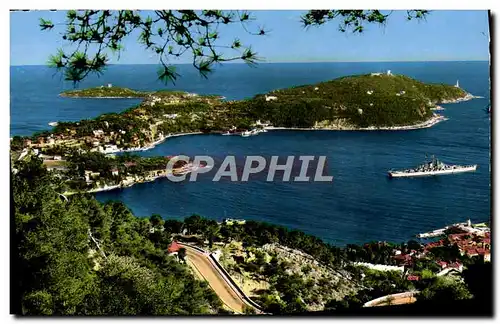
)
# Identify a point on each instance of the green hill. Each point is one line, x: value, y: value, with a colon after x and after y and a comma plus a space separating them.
x: 104, y: 92
x: 359, y: 101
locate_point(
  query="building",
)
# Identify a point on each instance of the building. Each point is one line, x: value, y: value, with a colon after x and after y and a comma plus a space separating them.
x: 173, y: 248
x: 271, y: 98
x: 98, y: 132
x: 114, y: 172
x: 90, y: 174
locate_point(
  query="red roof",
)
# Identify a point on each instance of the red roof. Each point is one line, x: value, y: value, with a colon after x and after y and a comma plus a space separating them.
x: 481, y: 251
x: 455, y: 237
x: 487, y: 240
x: 442, y: 264
x: 472, y: 251
x: 455, y: 265
x: 413, y: 278
x: 173, y: 247
x: 129, y: 164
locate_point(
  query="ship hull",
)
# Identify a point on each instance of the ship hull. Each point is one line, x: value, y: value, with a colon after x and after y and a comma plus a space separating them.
x: 399, y: 174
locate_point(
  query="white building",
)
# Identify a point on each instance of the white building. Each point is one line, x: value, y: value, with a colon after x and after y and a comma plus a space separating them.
x: 389, y: 72
x: 98, y: 132
x: 270, y: 98
x: 380, y: 267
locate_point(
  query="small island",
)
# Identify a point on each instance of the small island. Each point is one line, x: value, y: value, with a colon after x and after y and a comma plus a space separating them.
x: 108, y: 91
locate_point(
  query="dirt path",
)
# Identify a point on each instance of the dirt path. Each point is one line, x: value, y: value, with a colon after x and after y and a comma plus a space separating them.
x: 206, y: 269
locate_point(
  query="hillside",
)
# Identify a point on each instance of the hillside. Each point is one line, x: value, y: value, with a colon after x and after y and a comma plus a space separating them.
x: 359, y: 101
x: 104, y: 92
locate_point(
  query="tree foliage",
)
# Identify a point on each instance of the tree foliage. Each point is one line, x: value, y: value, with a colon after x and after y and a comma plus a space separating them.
x: 94, y: 34
x: 81, y: 257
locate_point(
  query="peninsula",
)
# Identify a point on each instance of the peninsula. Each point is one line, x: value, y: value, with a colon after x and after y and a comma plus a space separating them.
x: 104, y: 92
x: 377, y: 101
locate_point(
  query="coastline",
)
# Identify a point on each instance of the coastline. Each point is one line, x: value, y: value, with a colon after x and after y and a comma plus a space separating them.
x: 425, y: 124
x: 104, y: 97
x: 152, y: 145
x: 113, y: 187
x: 435, y: 119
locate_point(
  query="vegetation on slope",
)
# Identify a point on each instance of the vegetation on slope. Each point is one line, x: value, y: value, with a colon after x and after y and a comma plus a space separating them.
x: 104, y: 92
x: 60, y: 270
x: 81, y: 257
x: 362, y: 100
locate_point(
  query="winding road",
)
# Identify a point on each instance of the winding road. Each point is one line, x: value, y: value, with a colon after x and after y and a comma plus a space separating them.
x: 205, y: 268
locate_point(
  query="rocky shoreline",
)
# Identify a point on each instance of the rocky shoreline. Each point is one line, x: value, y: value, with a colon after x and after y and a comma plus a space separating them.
x: 425, y: 124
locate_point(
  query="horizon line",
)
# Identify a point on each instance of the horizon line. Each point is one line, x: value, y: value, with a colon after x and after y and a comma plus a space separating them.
x: 288, y: 62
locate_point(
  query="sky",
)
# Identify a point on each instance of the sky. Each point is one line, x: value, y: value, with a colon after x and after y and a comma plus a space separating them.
x: 443, y: 36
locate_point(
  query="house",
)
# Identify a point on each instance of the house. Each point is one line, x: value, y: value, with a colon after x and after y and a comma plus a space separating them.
x: 271, y: 98
x: 129, y: 164
x: 57, y: 157
x: 442, y: 264
x: 173, y: 248
x: 51, y: 141
x: 403, y: 258
x: 171, y: 116
x: 114, y: 172
x: 376, y: 74
x: 389, y: 72
x: 90, y: 174
x: 109, y: 85
x: 413, y: 278
x: 98, y: 132
x: 369, y: 92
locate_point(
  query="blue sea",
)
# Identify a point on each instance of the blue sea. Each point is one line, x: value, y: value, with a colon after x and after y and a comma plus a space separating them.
x: 361, y: 204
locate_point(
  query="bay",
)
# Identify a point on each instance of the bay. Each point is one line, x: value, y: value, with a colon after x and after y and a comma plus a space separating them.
x: 360, y: 205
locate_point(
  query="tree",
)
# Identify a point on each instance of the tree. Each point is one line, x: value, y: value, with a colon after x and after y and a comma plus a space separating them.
x: 444, y: 289
x: 247, y: 310
x: 155, y: 220
x: 182, y: 254
x: 93, y: 34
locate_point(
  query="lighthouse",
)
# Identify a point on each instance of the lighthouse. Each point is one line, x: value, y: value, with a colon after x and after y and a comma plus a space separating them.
x: 457, y: 85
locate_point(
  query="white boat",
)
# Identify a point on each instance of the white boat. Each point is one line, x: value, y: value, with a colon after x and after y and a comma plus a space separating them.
x: 246, y: 133
x: 227, y: 133
x: 432, y: 168
x: 53, y: 124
